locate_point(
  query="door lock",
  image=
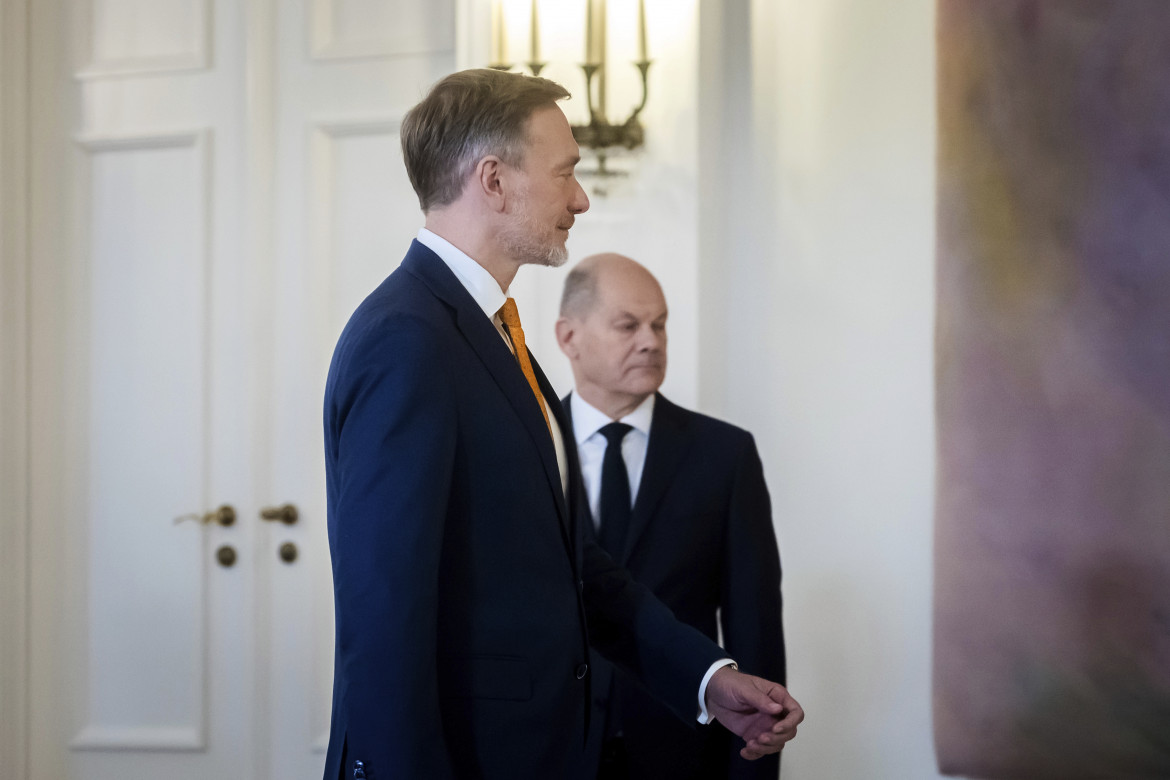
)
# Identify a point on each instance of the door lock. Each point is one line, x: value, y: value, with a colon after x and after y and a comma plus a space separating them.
x: 288, y: 552
x: 226, y: 555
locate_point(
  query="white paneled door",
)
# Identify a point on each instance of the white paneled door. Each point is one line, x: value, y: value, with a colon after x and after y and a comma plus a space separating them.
x: 215, y: 186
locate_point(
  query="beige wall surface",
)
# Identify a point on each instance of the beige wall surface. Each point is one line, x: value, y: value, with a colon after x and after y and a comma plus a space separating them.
x: 816, y: 310
x: 13, y: 394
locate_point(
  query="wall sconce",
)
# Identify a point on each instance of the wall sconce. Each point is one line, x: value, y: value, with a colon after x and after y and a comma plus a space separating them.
x: 600, y: 134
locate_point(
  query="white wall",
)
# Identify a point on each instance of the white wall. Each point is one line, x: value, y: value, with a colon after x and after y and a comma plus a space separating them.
x: 818, y: 238
x: 785, y: 199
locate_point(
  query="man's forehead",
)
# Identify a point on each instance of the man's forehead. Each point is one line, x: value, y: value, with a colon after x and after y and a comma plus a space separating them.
x: 548, y: 125
x: 636, y: 299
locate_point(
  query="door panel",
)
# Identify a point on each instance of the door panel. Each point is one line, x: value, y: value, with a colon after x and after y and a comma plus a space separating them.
x: 115, y: 37
x: 349, y: 29
x: 145, y: 446
x: 179, y: 360
x: 345, y: 215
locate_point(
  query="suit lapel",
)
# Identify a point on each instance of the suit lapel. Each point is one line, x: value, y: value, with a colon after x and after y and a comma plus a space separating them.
x: 583, y: 515
x: 486, y: 342
x: 669, y: 442
x: 559, y: 417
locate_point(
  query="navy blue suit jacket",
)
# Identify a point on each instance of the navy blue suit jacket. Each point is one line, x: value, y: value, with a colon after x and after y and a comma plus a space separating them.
x: 462, y: 584
x: 701, y: 538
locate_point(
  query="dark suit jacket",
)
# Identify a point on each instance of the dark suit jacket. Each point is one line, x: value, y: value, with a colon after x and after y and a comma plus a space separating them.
x: 461, y: 584
x: 701, y: 538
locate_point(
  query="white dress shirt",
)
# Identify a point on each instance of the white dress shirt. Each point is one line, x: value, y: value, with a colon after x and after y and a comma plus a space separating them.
x: 587, y: 424
x: 486, y: 292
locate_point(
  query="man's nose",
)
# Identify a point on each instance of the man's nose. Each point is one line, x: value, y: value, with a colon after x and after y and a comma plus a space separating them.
x: 579, y: 203
x: 651, y: 340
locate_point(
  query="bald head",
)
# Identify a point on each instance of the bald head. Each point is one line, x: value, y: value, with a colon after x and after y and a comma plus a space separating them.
x: 582, y: 284
x: 613, y: 330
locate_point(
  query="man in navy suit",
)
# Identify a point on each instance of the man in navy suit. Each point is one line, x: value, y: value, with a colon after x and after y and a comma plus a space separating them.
x: 466, y: 597
x: 694, y: 521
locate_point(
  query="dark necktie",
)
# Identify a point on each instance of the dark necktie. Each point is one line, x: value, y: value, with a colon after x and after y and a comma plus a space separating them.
x: 614, y: 506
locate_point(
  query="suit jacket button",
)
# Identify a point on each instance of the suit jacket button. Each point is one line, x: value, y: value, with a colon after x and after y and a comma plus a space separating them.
x: 582, y: 670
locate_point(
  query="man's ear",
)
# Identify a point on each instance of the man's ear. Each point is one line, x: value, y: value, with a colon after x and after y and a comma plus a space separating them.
x: 565, y: 333
x: 488, y: 179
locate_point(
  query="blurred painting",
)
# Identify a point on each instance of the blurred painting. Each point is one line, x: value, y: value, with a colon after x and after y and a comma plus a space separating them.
x: 1052, y: 545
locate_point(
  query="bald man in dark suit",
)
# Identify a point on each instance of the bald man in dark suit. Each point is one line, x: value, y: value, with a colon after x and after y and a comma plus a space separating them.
x: 676, y: 497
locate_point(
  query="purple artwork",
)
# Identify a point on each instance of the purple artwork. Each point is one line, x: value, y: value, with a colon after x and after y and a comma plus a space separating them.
x: 1052, y: 556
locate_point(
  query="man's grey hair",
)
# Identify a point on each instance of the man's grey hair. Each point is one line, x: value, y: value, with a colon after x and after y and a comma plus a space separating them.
x: 465, y: 117
x: 580, y: 293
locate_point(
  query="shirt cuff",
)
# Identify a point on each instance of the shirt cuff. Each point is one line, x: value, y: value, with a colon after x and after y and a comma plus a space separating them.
x: 704, y: 716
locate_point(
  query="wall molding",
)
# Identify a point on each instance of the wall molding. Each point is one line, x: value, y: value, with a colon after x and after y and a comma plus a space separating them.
x: 324, y: 44
x: 348, y: 127
x: 197, y: 142
x: 14, y: 388
x: 158, y: 139
x: 324, y: 134
x: 134, y: 739
x: 91, y: 66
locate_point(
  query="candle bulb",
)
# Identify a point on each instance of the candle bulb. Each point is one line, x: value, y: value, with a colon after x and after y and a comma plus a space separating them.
x: 601, y: 29
x: 642, y: 30
x: 535, y: 36
x: 499, y: 34
x: 600, y: 25
x: 589, y: 31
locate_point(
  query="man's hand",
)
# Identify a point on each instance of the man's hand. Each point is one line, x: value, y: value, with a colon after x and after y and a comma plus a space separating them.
x: 761, y: 712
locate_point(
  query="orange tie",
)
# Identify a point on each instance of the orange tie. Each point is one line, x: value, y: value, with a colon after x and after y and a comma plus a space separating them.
x: 511, y: 319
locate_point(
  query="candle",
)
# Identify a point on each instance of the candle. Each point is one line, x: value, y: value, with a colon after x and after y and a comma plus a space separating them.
x: 499, y: 34
x: 595, y: 32
x: 599, y: 56
x: 599, y: 40
x: 588, y: 31
x: 535, y: 37
x: 642, y: 30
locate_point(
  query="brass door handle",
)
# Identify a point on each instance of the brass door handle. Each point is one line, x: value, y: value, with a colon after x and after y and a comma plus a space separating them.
x: 225, y: 515
x: 286, y: 514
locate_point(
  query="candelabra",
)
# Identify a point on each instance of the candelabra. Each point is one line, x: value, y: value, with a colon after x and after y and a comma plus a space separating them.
x: 600, y: 134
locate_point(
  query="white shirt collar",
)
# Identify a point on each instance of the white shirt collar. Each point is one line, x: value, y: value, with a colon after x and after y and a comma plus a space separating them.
x: 587, y: 419
x: 482, y: 286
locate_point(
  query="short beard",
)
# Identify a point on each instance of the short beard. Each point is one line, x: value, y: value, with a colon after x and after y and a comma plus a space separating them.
x: 554, y: 256
x: 523, y: 244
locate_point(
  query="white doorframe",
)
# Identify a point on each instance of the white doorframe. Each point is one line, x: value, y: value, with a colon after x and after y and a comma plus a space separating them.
x: 14, y: 339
